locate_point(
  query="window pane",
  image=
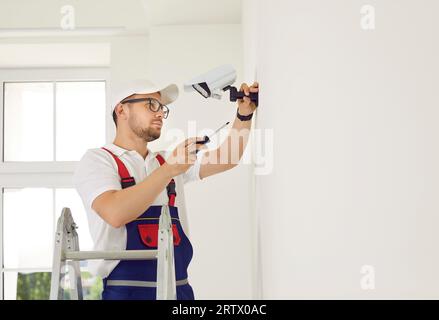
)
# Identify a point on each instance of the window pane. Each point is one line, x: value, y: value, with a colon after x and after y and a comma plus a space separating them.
x: 91, y: 285
x: 69, y: 198
x: 80, y: 116
x: 28, y: 121
x: 28, y: 227
x: 36, y: 286
x: 27, y: 286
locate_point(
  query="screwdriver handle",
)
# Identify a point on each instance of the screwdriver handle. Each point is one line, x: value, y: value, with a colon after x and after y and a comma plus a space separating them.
x: 206, y: 140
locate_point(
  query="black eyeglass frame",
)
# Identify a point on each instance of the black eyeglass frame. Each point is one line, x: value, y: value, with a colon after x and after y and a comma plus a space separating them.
x: 161, y: 106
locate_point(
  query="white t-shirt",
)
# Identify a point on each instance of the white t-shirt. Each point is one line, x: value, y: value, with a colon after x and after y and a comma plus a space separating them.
x: 97, y: 172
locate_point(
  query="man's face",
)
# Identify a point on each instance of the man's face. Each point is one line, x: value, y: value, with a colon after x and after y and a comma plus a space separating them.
x: 145, y: 123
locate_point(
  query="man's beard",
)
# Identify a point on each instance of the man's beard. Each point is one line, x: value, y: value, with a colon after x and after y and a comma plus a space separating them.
x: 147, y: 134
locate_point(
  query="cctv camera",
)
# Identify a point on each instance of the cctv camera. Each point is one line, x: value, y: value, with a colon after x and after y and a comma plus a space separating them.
x: 213, y: 83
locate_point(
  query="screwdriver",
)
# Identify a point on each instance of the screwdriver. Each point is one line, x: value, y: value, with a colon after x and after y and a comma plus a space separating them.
x: 206, y: 139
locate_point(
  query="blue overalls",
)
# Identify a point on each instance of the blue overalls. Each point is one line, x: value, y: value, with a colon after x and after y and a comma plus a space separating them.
x: 136, y: 279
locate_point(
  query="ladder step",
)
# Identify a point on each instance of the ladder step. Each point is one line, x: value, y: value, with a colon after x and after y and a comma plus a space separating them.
x: 111, y: 255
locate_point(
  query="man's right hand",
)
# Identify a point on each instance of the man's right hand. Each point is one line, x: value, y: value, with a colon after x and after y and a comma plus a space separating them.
x: 183, y: 156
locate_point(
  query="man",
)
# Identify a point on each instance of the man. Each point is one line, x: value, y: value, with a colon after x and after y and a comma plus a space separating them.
x: 124, y: 185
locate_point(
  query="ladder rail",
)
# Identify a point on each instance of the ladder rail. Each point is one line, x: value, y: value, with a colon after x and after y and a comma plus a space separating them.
x: 111, y: 255
x: 56, y: 292
x: 166, y: 284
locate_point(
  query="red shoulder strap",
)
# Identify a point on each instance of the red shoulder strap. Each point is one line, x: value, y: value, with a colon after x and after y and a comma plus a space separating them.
x: 125, y: 178
x: 170, y: 188
x: 123, y: 171
x: 160, y: 159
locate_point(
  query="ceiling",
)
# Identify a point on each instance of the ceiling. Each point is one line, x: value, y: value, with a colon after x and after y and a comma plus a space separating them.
x: 132, y: 15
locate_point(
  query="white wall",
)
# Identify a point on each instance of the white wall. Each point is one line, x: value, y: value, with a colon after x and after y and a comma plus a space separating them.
x: 218, y: 207
x: 355, y: 177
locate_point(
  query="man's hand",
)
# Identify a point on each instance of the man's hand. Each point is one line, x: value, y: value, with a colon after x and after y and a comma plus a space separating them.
x: 225, y: 157
x: 246, y: 106
x: 183, y: 156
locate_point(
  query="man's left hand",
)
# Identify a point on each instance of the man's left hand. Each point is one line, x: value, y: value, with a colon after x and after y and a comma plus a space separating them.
x: 246, y: 106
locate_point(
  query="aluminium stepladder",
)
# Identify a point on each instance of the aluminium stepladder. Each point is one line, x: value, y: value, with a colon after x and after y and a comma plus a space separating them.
x: 67, y: 253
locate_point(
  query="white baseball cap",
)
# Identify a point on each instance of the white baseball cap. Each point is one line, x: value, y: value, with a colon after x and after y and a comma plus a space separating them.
x: 121, y: 90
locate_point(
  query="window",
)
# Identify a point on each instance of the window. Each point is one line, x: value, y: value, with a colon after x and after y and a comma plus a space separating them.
x: 63, y: 117
x: 49, y: 119
x: 29, y: 218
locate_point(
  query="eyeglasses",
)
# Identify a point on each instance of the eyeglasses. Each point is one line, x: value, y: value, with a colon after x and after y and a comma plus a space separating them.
x: 153, y: 104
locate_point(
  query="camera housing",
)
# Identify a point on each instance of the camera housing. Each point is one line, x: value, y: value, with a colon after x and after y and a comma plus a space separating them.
x: 215, y: 82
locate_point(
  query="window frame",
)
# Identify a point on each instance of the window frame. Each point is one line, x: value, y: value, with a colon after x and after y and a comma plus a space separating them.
x: 42, y: 174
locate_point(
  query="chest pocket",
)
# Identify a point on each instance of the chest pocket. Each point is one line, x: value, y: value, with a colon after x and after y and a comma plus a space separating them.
x: 149, y: 234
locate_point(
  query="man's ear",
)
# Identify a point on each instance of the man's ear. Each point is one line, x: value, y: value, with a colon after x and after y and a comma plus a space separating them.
x: 119, y: 110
